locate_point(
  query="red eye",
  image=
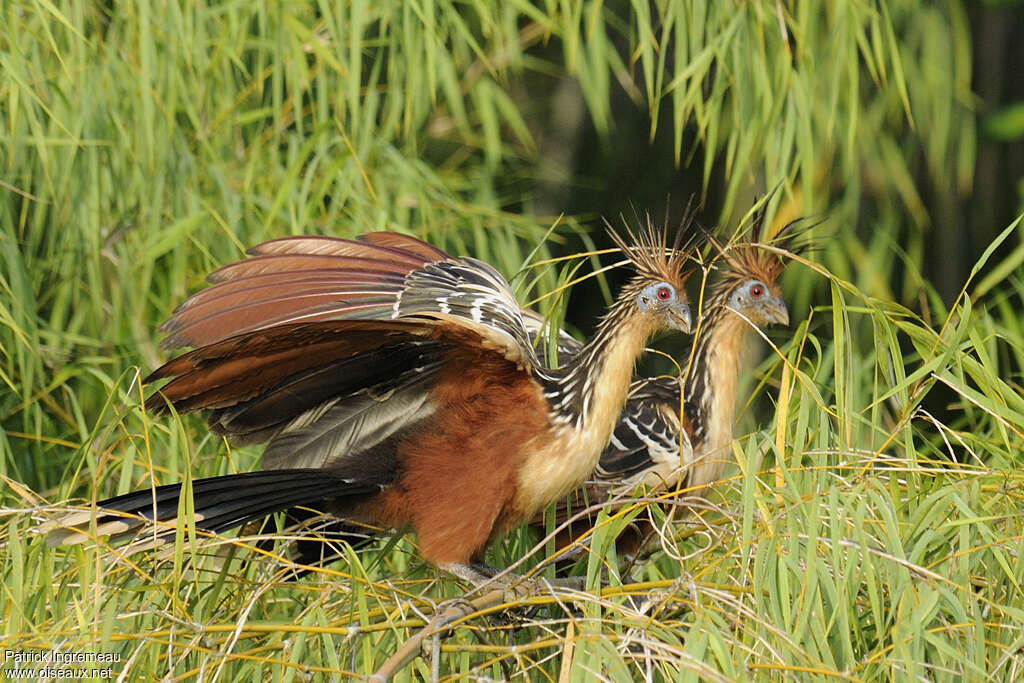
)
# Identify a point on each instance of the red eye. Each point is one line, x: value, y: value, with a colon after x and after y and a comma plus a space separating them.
x: 664, y: 293
x: 756, y: 291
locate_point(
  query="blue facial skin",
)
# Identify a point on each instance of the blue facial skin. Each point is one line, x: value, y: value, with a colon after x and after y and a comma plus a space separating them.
x: 760, y: 304
x: 661, y: 297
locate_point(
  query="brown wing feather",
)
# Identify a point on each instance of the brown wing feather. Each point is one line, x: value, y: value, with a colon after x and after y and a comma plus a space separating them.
x: 322, y: 394
x: 238, y: 369
x: 374, y: 245
x: 287, y: 305
x: 299, y: 279
x: 258, y: 286
x: 260, y: 264
x: 380, y: 276
x: 396, y: 240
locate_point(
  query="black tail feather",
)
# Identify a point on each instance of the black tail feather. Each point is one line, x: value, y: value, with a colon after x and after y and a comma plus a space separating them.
x: 219, y: 503
x: 319, y: 539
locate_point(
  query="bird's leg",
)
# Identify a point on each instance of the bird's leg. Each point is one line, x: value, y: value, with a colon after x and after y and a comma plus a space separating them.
x: 482, y: 575
x: 476, y: 573
x: 484, y: 569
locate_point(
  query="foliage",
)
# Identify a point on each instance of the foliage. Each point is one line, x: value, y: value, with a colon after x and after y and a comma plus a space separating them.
x: 872, y: 528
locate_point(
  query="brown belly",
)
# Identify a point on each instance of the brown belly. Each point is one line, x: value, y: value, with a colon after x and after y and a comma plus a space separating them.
x: 460, y: 468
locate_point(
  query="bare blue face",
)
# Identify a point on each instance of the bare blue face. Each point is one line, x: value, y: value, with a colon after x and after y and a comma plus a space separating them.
x: 759, y: 303
x: 662, y: 299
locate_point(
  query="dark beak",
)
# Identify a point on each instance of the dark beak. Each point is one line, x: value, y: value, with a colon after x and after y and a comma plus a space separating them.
x: 678, y: 316
x: 776, y: 311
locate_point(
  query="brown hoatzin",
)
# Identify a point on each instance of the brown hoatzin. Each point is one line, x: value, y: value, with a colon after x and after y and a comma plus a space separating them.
x: 395, y: 386
x: 651, y: 444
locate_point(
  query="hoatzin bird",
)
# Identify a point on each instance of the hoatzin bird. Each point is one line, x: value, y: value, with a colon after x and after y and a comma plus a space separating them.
x: 651, y: 444
x: 395, y: 386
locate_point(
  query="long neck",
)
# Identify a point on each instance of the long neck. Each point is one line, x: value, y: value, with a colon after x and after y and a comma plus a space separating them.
x: 586, y: 396
x: 711, y: 386
x: 591, y: 390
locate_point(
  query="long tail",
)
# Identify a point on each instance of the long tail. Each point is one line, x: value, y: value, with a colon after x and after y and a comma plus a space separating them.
x: 319, y: 539
x: 219, y: 503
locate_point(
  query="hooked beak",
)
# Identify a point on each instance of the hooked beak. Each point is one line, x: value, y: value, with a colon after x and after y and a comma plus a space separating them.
x: 776, y: 311
x: 679, y: 318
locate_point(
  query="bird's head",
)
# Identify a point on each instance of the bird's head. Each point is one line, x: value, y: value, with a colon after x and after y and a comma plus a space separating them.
x: 657, y: 294
x: 760, y: 303
x: 749, y: 283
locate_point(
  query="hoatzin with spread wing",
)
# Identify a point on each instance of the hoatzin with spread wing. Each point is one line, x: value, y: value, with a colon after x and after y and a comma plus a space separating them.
x: 651, y: 444
x: 396, y: 386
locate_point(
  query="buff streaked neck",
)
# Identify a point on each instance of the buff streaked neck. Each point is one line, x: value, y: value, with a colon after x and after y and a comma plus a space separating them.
x: 608, y: 385
x: 596, y: 383
x: 720, y: 355
x: 587, y: 388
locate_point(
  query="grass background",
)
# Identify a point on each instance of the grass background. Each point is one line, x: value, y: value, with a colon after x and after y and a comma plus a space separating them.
x: 871, y: 529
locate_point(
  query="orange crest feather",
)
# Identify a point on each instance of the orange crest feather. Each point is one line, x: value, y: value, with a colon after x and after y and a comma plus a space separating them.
x: 750, y: 259
x: 649, y: 253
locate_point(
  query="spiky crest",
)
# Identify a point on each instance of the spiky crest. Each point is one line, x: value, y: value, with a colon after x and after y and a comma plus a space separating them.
x: 648, y: 250
x: 749, y: 259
